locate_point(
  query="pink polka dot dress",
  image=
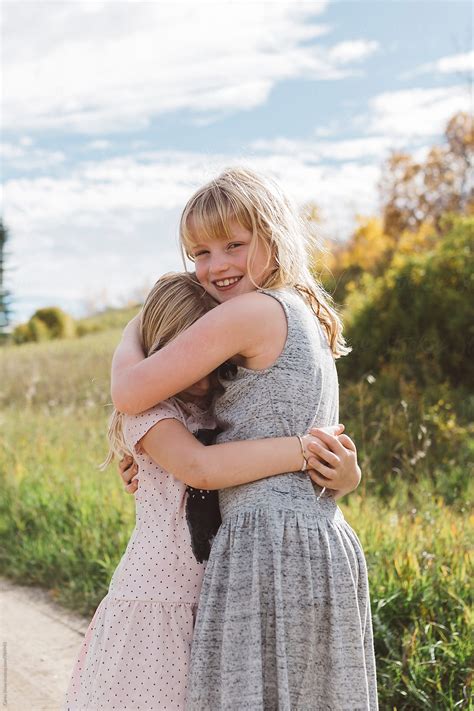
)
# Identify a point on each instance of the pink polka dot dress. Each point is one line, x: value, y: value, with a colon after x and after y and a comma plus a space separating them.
x: 136, y: 652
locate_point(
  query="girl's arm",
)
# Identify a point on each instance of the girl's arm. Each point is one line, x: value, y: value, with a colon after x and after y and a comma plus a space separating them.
x: 242, y: 325
x: 218, y: 466
x: 340, y: 473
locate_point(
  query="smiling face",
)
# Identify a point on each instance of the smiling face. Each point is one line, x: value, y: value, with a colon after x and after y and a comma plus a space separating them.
x: 233, y: 265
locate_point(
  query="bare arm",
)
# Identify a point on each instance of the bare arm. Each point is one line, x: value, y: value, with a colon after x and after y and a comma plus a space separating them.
x: 239, y: 326
x: 218, y: 466
x: 340, y: 474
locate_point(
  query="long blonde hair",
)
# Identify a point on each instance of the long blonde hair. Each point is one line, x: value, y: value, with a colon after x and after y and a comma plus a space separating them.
x: 175, y: 302
x: 258, y: 204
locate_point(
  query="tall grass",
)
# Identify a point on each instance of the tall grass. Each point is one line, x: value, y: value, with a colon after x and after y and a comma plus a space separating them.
x: 420, y: 571
x: 64, y: 524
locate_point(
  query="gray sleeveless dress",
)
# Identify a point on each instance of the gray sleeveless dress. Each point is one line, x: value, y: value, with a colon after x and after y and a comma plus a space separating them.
x: 284, y: 617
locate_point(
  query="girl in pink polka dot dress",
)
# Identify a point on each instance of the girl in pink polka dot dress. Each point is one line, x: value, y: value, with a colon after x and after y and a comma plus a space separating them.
x: 136, y: 652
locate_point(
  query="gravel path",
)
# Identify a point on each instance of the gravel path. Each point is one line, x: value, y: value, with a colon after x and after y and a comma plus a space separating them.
x: 40, y: 641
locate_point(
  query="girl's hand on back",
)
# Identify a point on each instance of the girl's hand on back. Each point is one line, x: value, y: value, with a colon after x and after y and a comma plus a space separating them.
x: 128, y: 470
x: 333, y: 461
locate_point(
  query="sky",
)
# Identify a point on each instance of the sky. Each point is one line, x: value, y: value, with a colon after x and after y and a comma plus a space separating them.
x: 114, y: 112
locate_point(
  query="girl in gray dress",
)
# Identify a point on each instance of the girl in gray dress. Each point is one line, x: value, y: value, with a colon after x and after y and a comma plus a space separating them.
x: 284, y: 615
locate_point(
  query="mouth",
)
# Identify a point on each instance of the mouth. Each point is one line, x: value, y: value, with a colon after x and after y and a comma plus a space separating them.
x: 226, y: 284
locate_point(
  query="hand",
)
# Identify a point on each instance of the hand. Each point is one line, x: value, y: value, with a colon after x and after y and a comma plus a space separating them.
x: 310, y: 438
x: 333, y: 461
x: 128, y: 470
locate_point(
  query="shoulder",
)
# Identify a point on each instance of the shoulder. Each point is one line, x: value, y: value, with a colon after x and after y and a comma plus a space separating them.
x: 136, y: 426
x: 239, y: 326
x: 171, y: 406
x: 254, y: 306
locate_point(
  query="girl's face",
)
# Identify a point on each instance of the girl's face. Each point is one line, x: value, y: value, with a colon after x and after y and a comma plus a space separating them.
x: 198, y: 392
x: 221, y: 265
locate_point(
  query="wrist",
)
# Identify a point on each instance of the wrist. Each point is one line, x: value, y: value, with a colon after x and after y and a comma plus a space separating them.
x: 352, y: 485
x: 304, y: 453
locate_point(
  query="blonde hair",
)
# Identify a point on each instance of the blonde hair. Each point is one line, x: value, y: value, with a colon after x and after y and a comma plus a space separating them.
x: 175, y: 302
x: 258, y: 204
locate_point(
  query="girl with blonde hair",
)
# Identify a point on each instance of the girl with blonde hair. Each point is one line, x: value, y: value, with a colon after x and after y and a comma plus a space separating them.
x: 284, y: 615
x: 136, y: 651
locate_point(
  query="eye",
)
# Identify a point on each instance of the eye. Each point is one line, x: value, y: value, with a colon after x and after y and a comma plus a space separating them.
x: 233, y: 245
x: 200, y: 253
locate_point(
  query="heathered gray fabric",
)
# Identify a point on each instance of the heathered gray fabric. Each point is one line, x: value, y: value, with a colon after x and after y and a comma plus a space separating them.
x: 284, y: 617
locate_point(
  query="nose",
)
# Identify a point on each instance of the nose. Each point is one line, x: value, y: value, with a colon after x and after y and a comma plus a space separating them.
x: 219, y: 263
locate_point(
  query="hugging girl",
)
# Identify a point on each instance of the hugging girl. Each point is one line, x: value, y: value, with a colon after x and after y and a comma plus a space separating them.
x: 283, y: 618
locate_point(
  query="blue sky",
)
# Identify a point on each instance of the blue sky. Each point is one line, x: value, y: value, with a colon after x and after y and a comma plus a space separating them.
x: 114, y: 112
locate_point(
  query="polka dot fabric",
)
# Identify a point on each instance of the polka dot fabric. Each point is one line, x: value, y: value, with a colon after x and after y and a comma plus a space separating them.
x: 136, y: 652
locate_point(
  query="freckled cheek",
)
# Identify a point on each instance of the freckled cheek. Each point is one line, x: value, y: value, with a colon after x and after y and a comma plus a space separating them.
x: 201, y: 273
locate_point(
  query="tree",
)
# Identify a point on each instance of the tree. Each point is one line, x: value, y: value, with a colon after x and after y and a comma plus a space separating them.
x: 5, y: 311
x: 416, y: 192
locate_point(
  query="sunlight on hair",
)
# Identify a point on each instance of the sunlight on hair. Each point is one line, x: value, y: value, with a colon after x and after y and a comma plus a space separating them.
x: 176, y: 301
x: 258, y: 204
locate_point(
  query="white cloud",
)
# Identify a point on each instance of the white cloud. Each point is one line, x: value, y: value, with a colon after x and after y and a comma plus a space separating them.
x: 364, y: 148
x: 414, y: 112
x: 113, y: 69
x: 341, y: 191
x: 453, y: 64
x: 98, y: 145
x: 24, y: 157
x: 114, y: 223
x: 66, y: 261
x: 102, y: 67
x: 352, y: 51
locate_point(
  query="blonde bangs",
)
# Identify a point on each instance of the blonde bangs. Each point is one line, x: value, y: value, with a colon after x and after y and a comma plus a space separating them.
x: 258, y: 204
x: 208, y: 215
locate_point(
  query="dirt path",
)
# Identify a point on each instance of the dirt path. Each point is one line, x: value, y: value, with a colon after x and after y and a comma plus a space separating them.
x: 40, y: 641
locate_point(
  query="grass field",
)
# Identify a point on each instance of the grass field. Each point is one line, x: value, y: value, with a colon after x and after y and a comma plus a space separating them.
x: 64, y: 524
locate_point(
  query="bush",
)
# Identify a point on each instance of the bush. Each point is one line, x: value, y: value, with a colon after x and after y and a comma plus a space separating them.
x: 57, y: 321
x: 21, y: 334
x: 45, y: 324
x: 38, y: 330
x: 419, y: 315
x: 407, y: 434
x: 34, y: 331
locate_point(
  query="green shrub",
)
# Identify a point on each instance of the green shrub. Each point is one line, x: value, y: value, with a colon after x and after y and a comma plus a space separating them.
x: 21, y: 334
x: 34, y: 331
x: 38, y: 330
x: 406, y: 434
x: 419, y: 315
x: 57, y: 321
x: 45, y: 324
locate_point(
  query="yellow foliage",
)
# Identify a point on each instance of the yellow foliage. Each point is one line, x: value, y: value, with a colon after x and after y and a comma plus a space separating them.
x: 421, y: 240
x: 368, y: 245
